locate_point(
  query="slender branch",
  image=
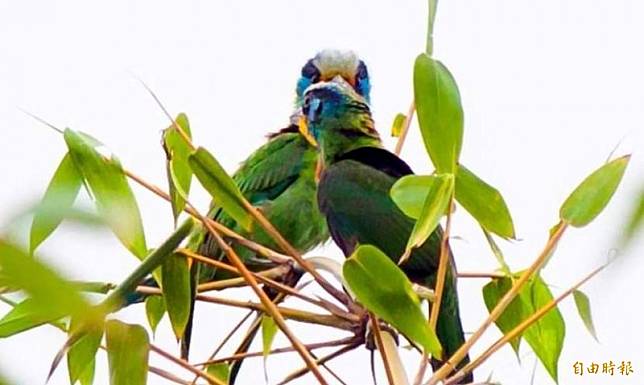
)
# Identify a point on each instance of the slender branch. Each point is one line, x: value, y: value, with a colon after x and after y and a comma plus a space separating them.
x: 405, y: 128
x: 429, y: 49
x: 456, y: 358
x: 168, y: 376
x: 471, y: 274
x: 300, y: 372
x: 519, y: 329
x: 186, y: 365
x: 289, y: 349
x: 385, y: 350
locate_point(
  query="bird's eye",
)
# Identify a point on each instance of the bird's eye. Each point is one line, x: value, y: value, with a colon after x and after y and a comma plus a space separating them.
x: 310, y: 71
x: 361, y: 72
x: 306, y: 106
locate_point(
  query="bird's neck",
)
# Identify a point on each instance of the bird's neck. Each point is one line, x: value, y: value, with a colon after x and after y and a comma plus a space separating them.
x: 340, y: 142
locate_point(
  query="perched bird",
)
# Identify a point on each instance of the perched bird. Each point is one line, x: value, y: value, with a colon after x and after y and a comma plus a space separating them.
x: 353, y: 195
x: 279, y: 177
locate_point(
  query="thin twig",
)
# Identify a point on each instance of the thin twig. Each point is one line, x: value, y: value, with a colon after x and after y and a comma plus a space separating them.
x: 207, y: 376
x: 383, y: 352
x: 456, y: 358
x: 300, y: 372
x: 168, y: 376
x: 473, y: 274
x: 521, y: 328
x: 289, y: 349
x: 405, y: 128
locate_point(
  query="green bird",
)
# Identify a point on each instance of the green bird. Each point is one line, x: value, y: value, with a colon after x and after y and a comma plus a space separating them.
x: 353, y: 195
x: 279, y: 179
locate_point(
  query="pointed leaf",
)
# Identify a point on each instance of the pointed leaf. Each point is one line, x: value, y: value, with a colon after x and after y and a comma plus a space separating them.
x: 109, y: 186
x: 636, y: 220
x: 154, y: 310
x: 220, y: 371
x: 594, y: 193
x: 397, y: 126
x: 61, y: 193
x: 392, y: 299
x: 176, y: 291
x: 24, y: 316
x: 410, y: 193
x: 50, y: 293
x: 269, y: 330
x: 437, y: 201
x: 440, y: 114
x: 127, y: 353
x: 484, y: 203
x: 513, y: 314
x: 179, y: 172
x: 81, y: 355
x: 583, y: 308
x: 220, y: 185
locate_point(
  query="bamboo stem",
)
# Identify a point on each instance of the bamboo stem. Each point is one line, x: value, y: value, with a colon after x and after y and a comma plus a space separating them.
x: 405, y: 129
x: 456, y: 358
x: 321, y: 361
x: 211, y: 379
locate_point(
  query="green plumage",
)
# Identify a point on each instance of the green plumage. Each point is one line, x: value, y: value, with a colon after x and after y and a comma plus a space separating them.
x: 353, y: 194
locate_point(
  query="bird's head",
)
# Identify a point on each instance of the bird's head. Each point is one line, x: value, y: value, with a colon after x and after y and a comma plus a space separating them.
x: 337, y: 117
x: 328, y: 64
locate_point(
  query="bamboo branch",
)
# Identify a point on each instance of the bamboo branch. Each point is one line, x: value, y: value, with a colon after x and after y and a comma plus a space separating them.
x: 300, y: 372
x: 456, y: 358
x: 289, y: 349
x: 168, y: 376
x: 519, y: 329
x: 471, y: 274
x: 207, y: 376
x: 405, y: 129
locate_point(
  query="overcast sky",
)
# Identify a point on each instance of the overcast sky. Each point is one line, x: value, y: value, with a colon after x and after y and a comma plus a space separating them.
x: 549, y: 88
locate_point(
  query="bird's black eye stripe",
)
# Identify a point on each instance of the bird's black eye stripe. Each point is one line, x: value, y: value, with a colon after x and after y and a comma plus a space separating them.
x: 310, y: 71
x: 361, y: 71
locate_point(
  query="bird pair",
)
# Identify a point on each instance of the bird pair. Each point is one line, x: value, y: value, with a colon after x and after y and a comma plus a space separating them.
x: 349, y: 198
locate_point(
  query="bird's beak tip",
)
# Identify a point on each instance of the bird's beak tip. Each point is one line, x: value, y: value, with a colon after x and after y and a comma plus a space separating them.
x: 304, y: 130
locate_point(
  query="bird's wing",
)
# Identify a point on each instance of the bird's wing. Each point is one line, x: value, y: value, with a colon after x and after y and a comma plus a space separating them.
x: 353, y: 194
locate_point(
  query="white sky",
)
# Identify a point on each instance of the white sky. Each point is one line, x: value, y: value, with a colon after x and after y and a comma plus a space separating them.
x: 549, y: 89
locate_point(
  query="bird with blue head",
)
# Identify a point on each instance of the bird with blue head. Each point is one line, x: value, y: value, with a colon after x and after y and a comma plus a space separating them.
x: 353, y: 196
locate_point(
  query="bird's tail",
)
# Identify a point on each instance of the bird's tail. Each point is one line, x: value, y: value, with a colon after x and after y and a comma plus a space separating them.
x: 449, y: 329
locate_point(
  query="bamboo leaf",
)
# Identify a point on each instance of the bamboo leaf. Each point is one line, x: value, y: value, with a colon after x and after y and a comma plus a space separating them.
x: 61, y: 194
x: 176, y: 291
x: 384, y: 289
x: 108, y: 184
x: 410, y: 193
x: 127, y: 353
x: 49, y: 293
x: 437, y: 201
x: 583, y: 308
x: 24, y: 316
x: 513, y: 314
x: 440, y: 114
x: 636, y: 220
x: 178, y: 169
x: 220, y: 185
x: 269, y: 330
x: 220, y: 371
x: 594, y: 193
x: 397, y: 125
x: 154, y: 310
x: 484, y: 203
x: 81, y: 357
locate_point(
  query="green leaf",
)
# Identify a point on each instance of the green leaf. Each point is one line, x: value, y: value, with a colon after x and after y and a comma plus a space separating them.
x: 437, y: 201
x: 635, y: 221
x: 50, y: 294
x: 220, y: 185
x: 410, y: 193
x: 484, y: 203
x: 392, y: 298
x: 178, y: 169
x: 440, y: 114
x: 108, y: 184
x: 24, y: 316
x: 176, y: 291
x: 220, y: 371
x: 127, y: 353
x: 594, y: 193
x: 61, y: 194
x: 545, y: 336
x: 154, y: 310
x: 81, y: 357
x: 397, y: 126
x: 583, y: 308
x: 513, y: 314
x: 269, y: 330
